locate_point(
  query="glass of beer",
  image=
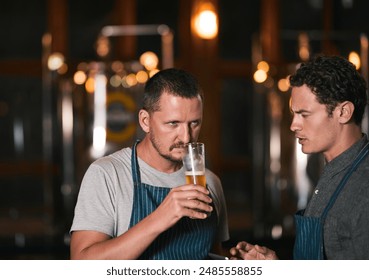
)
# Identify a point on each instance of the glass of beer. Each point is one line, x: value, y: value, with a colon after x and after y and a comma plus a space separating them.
x: 194, y: 163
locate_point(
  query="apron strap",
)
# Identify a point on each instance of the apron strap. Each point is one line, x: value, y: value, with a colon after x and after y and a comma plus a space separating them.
x: 359, y: 158
x: 136, y: 175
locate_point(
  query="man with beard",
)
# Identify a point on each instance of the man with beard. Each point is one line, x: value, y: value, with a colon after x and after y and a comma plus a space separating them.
x: 134, y: 203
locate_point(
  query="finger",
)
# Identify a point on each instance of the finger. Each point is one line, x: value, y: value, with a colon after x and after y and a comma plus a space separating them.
x: 198, y: 205
x: 250, y: 255
x: 190, y: 187
x: 233, y: 251
x: 266, y: 252
x: 241, y: 245
x: 267, y: 255
x: 193, y: 214
x: 261, y: 249
x: 191, y: 193
x: 245, y: 246
x: 199, y: 196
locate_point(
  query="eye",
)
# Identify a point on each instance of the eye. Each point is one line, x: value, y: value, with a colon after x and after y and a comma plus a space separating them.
x: 173, y: 124
x: 304, y: 115
x: 195, y: 123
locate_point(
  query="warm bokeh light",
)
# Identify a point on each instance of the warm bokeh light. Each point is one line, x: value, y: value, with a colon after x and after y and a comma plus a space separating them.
x: 205, y: 22
x: 63, y: 69
x: 304, y: 46
x: 115, y: 80
x: 263, y: 65
x: 142, y: 77
x: 90, y: 85
x: 117, y: 66
x: 304, y: 53
x: 153, y: 72
x: 103, y: 46
x: 131, y: 80
x: 283, y: 85
x: 149, y: 60
x: 79, y: 77
x: 354, y: 58
x: 277, y: 232
x: 55, y: 61
x: 260, y: 76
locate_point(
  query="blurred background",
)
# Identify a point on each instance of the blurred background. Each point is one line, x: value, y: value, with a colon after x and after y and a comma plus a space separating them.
x: 72, y: 75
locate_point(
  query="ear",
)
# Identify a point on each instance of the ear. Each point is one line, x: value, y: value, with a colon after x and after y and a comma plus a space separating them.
x: 346, y: 111
x: 144, y: 120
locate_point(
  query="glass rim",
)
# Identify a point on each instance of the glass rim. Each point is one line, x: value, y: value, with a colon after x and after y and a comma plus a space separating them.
x: 193, y: 144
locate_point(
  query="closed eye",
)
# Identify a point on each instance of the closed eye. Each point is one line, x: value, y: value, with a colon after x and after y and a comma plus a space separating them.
x: 302, y: 113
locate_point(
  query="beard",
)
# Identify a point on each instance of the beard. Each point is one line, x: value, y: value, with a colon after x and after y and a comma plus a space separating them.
x: 158, y: 147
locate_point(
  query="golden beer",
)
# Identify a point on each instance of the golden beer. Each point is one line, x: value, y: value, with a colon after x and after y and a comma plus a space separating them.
x: 196, y: 178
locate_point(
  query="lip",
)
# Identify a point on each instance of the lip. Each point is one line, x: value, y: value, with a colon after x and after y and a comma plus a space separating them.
x: 177, y: 148
x: 301, y: 140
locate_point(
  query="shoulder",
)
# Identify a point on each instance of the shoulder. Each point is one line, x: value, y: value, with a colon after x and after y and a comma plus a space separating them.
x: 214, y: 183
x: 212, y: 178
x: 109, y: 167
x: 118, y: 158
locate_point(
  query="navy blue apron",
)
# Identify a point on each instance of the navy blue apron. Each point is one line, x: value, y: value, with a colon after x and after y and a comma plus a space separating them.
x: 188, y: 239
x: 309, y: 243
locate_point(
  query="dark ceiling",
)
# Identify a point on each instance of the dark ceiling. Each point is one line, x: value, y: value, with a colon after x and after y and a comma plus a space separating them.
x: 24, y: 22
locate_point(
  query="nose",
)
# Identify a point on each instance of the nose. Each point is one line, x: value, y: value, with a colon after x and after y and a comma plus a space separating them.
x: 295, y: 124
x: 186, y: 134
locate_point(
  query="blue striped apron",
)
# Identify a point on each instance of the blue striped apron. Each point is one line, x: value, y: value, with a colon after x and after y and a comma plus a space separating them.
x: 309, y: 243
x: 188, y: 239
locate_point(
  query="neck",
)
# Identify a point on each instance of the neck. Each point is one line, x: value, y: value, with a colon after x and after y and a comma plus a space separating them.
x: 349, y: 137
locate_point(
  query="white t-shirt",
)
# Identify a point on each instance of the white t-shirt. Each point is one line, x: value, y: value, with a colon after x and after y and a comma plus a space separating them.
x: 105, y: 198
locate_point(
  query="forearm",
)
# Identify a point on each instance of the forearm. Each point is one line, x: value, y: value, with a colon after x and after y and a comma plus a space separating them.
x: 185, y: 201
x: 129, y: 245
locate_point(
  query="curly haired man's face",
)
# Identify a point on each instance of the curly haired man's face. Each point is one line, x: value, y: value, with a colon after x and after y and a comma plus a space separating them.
x: 315, y: 130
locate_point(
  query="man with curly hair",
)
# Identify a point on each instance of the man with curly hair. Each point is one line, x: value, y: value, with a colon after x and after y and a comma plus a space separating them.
x: 328, y: 102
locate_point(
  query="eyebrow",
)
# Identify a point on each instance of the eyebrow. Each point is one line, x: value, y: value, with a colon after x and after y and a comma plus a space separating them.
x: 300, y: 111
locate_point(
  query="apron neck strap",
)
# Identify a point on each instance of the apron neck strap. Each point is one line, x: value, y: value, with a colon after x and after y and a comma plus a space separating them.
x: 136, y: 175
x: 359, y: 158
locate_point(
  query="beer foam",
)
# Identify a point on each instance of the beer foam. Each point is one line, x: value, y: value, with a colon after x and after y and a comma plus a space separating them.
x: 194, y: 173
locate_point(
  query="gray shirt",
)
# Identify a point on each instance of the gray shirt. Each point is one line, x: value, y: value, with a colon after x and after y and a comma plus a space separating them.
x: 105, y: 198
x: 346, y: 229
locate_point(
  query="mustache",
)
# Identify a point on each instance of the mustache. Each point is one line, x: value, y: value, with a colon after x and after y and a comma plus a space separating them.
x: 176, y: 145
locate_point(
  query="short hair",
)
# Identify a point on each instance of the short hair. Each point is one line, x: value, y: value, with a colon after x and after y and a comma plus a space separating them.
x: 333, y: 79
x: 174, y: 81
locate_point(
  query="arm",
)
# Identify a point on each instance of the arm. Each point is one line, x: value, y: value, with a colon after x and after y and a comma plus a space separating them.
x: 182, y: 201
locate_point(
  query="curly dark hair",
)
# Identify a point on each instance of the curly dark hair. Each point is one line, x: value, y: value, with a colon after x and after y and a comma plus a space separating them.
x: 333, y: 80
x: 174, y: 81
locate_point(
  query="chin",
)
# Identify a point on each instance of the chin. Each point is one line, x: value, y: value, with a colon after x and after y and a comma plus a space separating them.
x: 305, y: 150
x: 176, y: 159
